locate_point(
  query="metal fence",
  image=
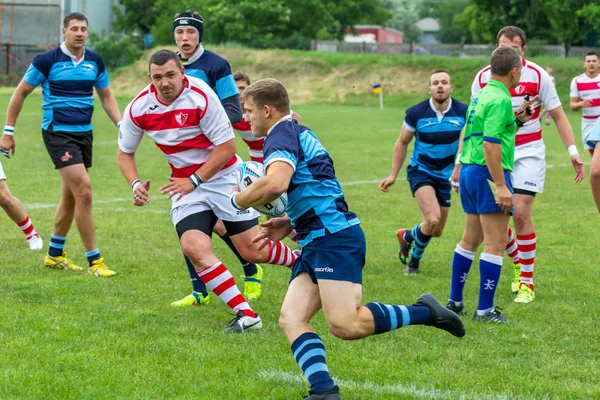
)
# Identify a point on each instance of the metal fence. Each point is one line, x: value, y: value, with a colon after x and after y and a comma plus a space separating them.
x: 455, y: 50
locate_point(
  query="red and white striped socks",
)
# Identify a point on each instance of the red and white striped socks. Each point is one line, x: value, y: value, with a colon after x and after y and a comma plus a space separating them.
x: 511, y: 247
x: 527, y: 248
x: 28, y: 228
x: 280, y: 254
x: 218, y: 279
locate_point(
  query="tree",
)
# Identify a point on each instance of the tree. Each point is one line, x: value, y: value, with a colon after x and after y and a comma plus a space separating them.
x: 567, y: 24
x: 406, y: 16
x: 444, y: 12
x: 138, y: 15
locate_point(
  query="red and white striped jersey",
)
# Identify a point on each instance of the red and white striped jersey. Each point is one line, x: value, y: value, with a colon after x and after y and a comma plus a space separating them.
x: 534, y: 81
x: 186, y: 131
x: 587, y: 88
x: 255, y: 144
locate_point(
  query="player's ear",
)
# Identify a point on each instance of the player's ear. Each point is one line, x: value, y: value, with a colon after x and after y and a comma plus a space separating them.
x: 149, y: 77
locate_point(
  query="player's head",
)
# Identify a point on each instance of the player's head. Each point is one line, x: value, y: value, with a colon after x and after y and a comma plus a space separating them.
x: 242, y: 81
x: 166, y: 74
x: 591, y: 63
x: 265, y: 102
x: 188, y: 28
x: 75, y: 30
x: 512, y: 36
x: 549, y: 70
x: 440, y: 86
x: 506, y: 65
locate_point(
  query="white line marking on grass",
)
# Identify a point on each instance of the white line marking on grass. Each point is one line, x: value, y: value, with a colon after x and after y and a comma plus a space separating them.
x: 409, y: 389
x: 133, y: 210
x: 53, y: 205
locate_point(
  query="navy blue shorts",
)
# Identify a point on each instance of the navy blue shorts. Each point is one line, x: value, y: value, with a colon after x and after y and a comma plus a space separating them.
x: 476, y: 195
x: 417, y: 179
x: 339, y: 256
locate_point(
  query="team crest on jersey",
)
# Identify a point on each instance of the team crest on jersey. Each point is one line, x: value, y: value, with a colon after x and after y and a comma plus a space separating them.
x: 181, y: 118
x: 520, y: 89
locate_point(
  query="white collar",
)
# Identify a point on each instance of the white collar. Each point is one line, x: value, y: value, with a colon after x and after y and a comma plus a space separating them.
x: 285, y: 118
x: 63, y: 47
x: 438, y: 111
x: 195, y: 56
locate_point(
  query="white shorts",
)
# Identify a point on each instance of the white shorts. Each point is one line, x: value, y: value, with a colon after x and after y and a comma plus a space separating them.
x: 2, y: 175
x: 529, y: 172
x: 214, y: 195
x: 587, y: 125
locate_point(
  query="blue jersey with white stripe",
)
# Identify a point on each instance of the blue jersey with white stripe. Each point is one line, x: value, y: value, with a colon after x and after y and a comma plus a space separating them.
x: 436, y: 140
x: 315, y: 199
x: 215, y: 71
x: 67, y: 88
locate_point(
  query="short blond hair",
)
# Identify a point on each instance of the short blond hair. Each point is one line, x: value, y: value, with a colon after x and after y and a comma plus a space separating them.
x: 269, y: 92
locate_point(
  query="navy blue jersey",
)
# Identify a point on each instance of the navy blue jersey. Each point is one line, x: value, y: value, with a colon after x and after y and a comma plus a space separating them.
x: 436, y: 139
x: 214, y: 70
x: 67, y: 87
x: 315, y: 199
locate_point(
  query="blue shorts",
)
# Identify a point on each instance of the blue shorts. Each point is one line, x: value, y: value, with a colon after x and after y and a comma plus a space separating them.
x: 476, y: 195
x: 339, y: 256
x: 417, y: 179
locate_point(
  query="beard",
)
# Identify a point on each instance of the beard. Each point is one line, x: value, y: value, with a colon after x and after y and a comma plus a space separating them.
x: 441, y: 100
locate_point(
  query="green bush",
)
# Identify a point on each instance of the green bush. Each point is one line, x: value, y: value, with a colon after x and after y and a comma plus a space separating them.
x: 117, y: 50
x: 535, y: 47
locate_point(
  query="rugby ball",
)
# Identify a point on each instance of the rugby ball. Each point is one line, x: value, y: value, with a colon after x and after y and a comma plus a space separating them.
x: 250, y: 171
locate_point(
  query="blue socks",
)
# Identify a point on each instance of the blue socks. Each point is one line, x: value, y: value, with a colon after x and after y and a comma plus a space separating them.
x: 461, y: 265
x: 489, y: 269
x: 92, y: 255
x: 420, y: 240
x: 309, y: 353
x: 197, y: 284
x: 57, y: 245
x: 390, y: 317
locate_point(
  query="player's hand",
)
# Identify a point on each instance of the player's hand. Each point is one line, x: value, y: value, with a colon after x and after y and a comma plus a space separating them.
x: 275, y: 229
x: 505, y: 198
x: 141, y: 194
x: 454, y: 178
x: 177, y: 187
x: 526, y: 110
x: 7, y: 145
x: 585, y: 103
x: 578, y: 167
x: 386, y: 183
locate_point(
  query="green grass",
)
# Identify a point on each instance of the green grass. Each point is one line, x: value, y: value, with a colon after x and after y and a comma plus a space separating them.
x: 72, y: 336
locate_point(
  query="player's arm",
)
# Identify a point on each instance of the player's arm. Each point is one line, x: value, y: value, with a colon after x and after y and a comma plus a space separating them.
x: 233, y: 108
x: 109, y: 104
x: 268, y: 188
x: 7, y: 143
x: 398, y: 156
x: 565, y: 131
x: 217, y: 159
x: 576, y: 102
x: 130, y: 136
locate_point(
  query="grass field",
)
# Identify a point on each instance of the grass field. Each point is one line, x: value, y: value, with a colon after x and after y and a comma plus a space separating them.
x: 72, y: 336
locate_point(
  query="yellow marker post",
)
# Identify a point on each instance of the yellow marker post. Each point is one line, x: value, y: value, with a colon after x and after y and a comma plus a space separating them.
x: 378, y: 89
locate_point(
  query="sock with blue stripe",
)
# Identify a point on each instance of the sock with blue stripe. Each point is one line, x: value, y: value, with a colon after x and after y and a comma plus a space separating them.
x: 249, y: 268
x: 421, y: 241
x: 197, y: 284
x: 461, y: 265
x: 309, y: 353
x: 92, y: 255
x: 57, y: 245
x: 390, y: 317
x: 489, y: 270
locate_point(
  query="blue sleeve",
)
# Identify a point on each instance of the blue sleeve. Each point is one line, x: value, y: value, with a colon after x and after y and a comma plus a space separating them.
x: 224, y: 82
x: 38, y: 70
x: 282, y: 145
x: 411, y: 119
x: 102, y: 80
x: 594, y: 135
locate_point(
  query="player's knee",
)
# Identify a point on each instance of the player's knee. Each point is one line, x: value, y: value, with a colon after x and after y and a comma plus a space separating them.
x: 83, y: 195
x: 521, y: 219
x: 342, y: 330
x: 432, y: 221
x: 287, y: 320
x: 197, y: 251
x: 595, y: 171
x: 250, y: 254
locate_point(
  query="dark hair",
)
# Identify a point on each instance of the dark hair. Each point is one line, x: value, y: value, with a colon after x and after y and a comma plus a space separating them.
x: 268, y: 92
x: 74, y: 16
x: 439, y: 71
x: 161, y: 57
x: 592, y: 53
x: 240, y: 76
x: 189, y: 18
x: 511, y: 32
x: 504, y: 59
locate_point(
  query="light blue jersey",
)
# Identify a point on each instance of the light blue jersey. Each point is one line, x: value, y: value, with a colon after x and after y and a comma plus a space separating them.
x: 67, y: 87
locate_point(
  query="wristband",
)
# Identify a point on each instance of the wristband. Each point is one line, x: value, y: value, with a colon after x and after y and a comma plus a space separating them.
x: 196, y: 180
x: 458, y: 158
x: 9, y: 130
x: 519, y: 123
x: 135, y: 183
x: 233, y: 203
x: 572, y: 150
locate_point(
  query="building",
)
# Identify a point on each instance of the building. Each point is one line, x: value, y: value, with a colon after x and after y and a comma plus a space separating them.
x: 372, y: 34
x: 100, y: 14
x: 429, y: 27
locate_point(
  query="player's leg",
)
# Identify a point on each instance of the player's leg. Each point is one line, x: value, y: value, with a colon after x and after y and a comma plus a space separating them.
x: 494, y: 227
x: 199, y: 295
x: 512, y: 250
x: 15, y: 210
x: 421, y: 234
